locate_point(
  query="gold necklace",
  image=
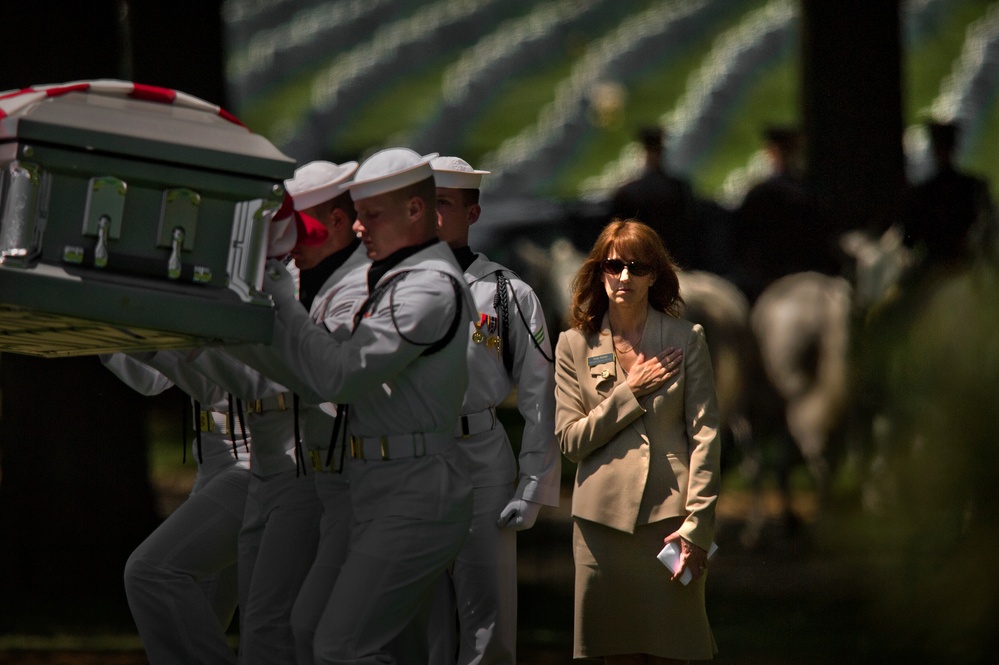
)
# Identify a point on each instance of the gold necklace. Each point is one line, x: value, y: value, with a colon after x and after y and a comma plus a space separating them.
x: 629, y: 350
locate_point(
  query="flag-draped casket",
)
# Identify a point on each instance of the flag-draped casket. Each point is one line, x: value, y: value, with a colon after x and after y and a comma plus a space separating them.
x: 131, y: 218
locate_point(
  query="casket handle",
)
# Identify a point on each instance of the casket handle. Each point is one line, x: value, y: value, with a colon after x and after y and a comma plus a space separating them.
x: 101, y: 250
x: 176, y: 244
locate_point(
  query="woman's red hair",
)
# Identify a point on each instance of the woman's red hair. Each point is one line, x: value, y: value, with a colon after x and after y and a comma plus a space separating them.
x: 633, y: 241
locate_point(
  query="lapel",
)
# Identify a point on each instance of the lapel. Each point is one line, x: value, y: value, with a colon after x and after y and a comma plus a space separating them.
x: 601, y: 362
x: 652, y: 337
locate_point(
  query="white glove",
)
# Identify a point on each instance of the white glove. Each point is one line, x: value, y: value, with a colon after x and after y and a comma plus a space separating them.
x: 279, y: 283
x: 519, y: 515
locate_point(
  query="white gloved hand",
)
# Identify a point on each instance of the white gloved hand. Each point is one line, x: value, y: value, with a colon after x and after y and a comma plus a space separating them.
x: 279, y: 283
x: 519, y: 515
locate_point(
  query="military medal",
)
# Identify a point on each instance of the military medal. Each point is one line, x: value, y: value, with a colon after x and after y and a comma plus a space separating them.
x: 477, y: 336
x: 493, y: 341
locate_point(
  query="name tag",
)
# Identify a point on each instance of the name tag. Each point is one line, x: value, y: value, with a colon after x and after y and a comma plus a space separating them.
x: 593, y: 361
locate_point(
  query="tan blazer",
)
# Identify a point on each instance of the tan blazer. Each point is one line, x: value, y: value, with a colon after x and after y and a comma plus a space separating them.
x: 645, y: 459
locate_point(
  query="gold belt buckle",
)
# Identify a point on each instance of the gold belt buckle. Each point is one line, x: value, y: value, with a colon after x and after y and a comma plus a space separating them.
x: 281, y: 406
x: 385, y: 448
x: 207, y: 423
x: 255, y: 406
x: 357, y: 447
x: 317, y: 460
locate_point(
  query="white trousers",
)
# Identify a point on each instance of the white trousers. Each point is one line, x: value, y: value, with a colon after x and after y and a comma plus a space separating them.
x: 181, y: 581
x: 334, y: 531
x: 474, y: 617
x: 277, y: 546
x: 378, y: 610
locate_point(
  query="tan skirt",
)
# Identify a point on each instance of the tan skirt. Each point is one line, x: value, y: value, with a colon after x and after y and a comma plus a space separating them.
x: 625, y: 601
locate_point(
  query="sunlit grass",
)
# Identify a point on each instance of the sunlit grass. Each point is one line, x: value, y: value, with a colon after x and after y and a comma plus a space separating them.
x: 772, y: 98
x: 399, y: 106
x: 284, y: 105
x: 514, y: 108
x: 650, y: 94
x: 928, y: 62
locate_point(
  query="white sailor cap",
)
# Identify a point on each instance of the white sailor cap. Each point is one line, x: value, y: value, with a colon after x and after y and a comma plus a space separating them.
x: 388, y: 170
x: 456, y: 173
x: 319, y: 181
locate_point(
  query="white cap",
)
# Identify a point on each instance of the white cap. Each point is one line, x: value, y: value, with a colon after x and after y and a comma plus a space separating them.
x: 456, y: 173
x: 319, y: 181
x: 388, y: 170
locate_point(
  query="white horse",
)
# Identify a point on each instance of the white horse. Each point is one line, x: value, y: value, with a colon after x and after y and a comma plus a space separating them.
x: 804, y: 325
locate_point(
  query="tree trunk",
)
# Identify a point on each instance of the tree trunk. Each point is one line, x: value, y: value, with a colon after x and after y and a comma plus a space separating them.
x: 852, y: 110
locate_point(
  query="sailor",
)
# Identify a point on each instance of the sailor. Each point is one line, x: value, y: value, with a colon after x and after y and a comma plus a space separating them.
x: 181, y: 581
x: 319, y: 190
x: 509, y: 347
x: 319, y: 194
x: 400, y: 377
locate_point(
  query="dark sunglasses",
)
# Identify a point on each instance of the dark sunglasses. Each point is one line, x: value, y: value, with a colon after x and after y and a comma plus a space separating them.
x: 615, y: 266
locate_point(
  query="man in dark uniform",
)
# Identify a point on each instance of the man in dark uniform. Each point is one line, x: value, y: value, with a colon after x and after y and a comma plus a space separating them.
x: 947, y: 209
x: 777, y: 230
x: 663, y: 201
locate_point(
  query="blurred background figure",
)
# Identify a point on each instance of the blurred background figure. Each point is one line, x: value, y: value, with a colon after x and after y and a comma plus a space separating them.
x: 662, y: 200
x: 778, y: 229
x: 950, y: 213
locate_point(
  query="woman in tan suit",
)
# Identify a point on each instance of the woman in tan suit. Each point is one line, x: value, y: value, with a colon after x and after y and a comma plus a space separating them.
x: 636, y: 410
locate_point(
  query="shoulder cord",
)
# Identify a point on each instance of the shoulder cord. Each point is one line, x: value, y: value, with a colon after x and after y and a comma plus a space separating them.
x: 433, y: 347
x: 235, y: 451
x: 299, y: 462
x: 197, y: 409
x: 501, y: 301
x: 339, y: 421
x: 242, y: 424
x: 389, y: 285
x: 197, y: 430
x: 183, y: 432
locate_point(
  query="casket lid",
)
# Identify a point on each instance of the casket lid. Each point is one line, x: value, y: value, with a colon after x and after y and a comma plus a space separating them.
x: 156, y: 125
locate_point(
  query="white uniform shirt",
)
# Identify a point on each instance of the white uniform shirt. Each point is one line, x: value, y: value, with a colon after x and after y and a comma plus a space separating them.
x: 489, y: 383
x: 393, y: 389
x: 332, y: 306
x: 217, y: 447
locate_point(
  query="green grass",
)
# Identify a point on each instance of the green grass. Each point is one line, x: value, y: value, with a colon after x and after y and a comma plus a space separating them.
x: 927, y: 63
x: 651, y: 93
x: 398, y: 107
x: 981, y: 158
x: 515, y: 107
x: 772, y: 98
x: 285, y: 105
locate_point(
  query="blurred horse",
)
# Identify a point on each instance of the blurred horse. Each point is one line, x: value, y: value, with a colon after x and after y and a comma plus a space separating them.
x: 805, y: 325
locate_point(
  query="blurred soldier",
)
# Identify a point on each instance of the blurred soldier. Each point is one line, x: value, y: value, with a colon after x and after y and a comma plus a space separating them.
x: 663, y: 201
x: 399, y: 378
x: 777, y: 230
x: 181, y: 581
x: 509, y: 347
x: 948, y: 210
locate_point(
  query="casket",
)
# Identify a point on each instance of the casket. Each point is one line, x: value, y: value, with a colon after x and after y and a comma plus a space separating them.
x: 131, y: 218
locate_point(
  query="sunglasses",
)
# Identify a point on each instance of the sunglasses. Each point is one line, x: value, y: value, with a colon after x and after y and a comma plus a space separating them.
x: 615, y: 266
